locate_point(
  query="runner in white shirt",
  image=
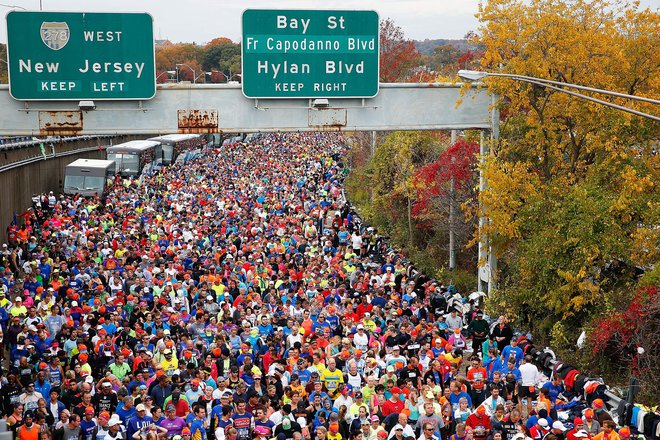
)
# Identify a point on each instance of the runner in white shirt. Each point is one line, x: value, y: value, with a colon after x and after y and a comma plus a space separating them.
x: 529, y: 375
x: 356, y: 242
x: 353, y: 376
x: 361, y: 339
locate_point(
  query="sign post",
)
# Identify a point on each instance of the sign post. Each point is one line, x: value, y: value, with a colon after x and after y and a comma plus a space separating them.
x: 310, y: 54
x: 56, y: 56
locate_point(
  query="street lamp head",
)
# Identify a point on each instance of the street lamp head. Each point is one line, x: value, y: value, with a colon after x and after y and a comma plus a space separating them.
x: 472, y: 75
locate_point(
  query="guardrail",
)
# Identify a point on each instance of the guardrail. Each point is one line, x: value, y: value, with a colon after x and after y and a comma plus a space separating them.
x: 20, y: 163
x: 48, y: 140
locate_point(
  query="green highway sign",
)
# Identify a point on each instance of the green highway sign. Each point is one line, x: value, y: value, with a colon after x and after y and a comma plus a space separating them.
x: 310, y: 53
x: 57, y: 56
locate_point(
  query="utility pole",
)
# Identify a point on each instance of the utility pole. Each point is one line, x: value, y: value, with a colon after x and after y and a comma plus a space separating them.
x: 452, y: 254
x: 484, y: 257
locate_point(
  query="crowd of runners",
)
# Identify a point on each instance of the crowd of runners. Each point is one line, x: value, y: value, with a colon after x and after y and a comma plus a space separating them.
x: 238, y: 297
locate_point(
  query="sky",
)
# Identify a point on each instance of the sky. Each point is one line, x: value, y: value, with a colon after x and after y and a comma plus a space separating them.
x: 200, y: 21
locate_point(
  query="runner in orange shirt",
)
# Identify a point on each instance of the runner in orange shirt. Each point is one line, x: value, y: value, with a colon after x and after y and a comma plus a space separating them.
x: 477, y: 376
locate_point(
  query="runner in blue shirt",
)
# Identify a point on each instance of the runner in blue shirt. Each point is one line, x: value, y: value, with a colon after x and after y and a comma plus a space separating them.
x: 199, y: 425
x: 513, y: 351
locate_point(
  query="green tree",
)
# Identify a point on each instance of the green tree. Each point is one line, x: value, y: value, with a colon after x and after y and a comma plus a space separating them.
x: 225, y: 57
x: 443, y: 57
x: 390, y: 175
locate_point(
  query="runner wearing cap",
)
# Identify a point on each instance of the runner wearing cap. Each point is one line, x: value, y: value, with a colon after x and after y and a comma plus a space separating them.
x: 394, y: 404
x: 578, y: 427
x: 557, y: 430
x: 599, y: 409
x: 140, y: 422
x: 172, y: 423
x: 590, y: 423
x: 88, y: 423
x: 624, y: 433
x: 29, y: 430
x: 540, y: 429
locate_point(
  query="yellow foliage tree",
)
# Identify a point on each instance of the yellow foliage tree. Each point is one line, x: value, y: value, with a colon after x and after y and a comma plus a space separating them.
x: 167, y: 57
x: 572, y: 193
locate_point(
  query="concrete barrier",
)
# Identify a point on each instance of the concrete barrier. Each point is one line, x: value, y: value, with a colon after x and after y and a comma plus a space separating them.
x: 26, y: 170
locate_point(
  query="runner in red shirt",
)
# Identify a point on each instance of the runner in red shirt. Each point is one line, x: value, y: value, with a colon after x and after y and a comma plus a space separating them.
x: 477, y: 376
x: 394, y: 404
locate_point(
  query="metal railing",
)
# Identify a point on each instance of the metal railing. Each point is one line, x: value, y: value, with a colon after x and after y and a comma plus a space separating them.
x: 48, y: 140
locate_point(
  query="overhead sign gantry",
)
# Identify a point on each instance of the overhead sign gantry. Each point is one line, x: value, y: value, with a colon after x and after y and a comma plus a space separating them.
x: 77, y: 73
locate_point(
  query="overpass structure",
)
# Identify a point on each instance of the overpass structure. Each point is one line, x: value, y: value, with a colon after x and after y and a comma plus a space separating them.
x: 213, y: 108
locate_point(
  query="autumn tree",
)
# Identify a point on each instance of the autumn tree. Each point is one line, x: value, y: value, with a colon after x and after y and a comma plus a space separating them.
x: 572, y: 193
x: 168, y: 56
x: 626, y: 340
x: 443, y: 58
x: 220, y: 56
x: 433, y: 183
x: 397, y: 53
x: 216, y: 41
x: 4, y: 77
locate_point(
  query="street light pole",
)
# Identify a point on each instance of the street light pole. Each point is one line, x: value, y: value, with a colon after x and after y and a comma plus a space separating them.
x: 202, y: 74
x: 191, y: 69
x: 235, y: 74
x: 475, y: 75
x: 452, y: 254
x: 169, y: 72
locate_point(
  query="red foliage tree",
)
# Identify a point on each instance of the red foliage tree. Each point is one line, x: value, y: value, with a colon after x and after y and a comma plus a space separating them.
x: 397, y: 54
x: 465, y: 60
x: 431, y: 181
x: 628, y: 340
x: 217, y: 77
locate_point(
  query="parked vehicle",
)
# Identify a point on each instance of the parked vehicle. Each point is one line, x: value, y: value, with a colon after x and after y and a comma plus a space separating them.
x: 177, y: 145
x: 88, y: 177
x: 135, y: 157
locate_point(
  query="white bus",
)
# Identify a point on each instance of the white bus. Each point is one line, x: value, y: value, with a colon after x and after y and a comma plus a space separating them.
x: 88, y: 177
x: 175, y: 145
x: 133, y: 157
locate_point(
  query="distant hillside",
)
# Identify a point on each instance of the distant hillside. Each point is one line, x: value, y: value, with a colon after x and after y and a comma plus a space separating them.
x: 426, y: 47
